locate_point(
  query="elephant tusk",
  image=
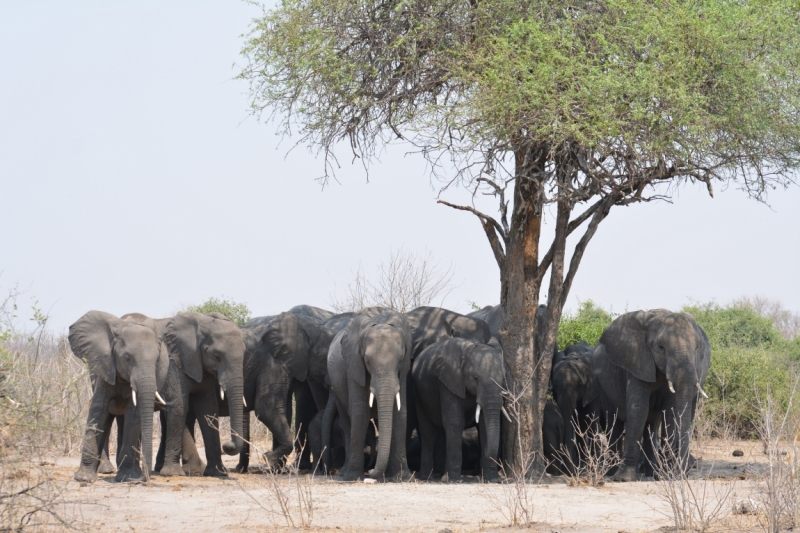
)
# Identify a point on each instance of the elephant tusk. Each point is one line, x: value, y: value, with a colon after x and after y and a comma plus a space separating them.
x: 160, y: 399
x: 505, y: 413
x: 221, y: 393
x: 398, y: 400
x: 371, y: 399
x: 701, y: 391
x: 671, y: 388
x: 244, y: 402
x: 478, y: 414
x: 134, y: 396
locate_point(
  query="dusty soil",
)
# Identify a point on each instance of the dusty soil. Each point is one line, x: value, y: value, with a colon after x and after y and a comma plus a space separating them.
x: 248, y: 502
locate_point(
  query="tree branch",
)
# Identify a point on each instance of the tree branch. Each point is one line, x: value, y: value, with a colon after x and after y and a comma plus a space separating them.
x: 492, y: 229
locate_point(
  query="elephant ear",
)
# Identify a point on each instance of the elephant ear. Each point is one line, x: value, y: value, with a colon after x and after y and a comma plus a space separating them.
x: 183, y: 337
x: 625, y: 342
x: 289, y: 342
x: 591, y: 390
x: 351, y: 349
x: 448, y: 365
x: 92, y: 340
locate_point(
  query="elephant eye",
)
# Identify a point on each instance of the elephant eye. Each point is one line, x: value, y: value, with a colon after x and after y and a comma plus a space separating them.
x: 660, y: 347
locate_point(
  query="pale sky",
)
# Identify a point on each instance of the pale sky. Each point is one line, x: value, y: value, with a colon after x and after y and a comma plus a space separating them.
x: 132, y: 178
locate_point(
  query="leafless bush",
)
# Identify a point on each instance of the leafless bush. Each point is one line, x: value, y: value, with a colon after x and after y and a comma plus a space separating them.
x: 694, y: 505
x: 292, y: 492
x: 44, y: 394
x: 406, y: 282
x: 785, y: 321
x: 779, y: 489
x: 516, y: 499
x: 596, y: 456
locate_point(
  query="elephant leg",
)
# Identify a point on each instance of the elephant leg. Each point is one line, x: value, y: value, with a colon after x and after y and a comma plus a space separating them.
x: 94, y: 436
x: 129, y: 455
x: 637, y: 411
x: 650, y: 445
x: 205, y: 407
x: 427, y: 433
x: 306, y: 410
x: 244, y: 455
x: 176, y: 394
x: 190, y: 457
x: 359, y: 421
x: 105, y: 464
x: 162, y: 443
x: 273, y: 408
x: 453, y: 423
x: 327, y: 433
x: 344, y: 423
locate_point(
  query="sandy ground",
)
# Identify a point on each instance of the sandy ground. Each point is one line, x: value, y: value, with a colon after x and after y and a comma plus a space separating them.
x: 248, y: 503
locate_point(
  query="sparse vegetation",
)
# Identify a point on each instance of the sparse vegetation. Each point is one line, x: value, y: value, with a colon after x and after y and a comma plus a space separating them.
x: 587, y: 324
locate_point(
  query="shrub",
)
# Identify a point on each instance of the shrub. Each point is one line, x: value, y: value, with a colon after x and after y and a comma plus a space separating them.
x: 238, y: 313
x: 587, y: 324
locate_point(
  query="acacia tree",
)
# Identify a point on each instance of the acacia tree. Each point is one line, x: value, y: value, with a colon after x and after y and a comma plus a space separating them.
x: 579, y: 104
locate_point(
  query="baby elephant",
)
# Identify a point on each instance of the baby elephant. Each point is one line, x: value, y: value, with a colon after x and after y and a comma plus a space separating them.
x: 457, y: 385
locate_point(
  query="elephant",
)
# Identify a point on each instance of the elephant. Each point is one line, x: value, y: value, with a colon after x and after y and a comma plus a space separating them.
x: 431, y: 324
x: 493, y: 315
x: 455, y: 380
x: 206, y: 364
x: 576, y: 394
x: 367, y: 360
x: 650, y: 367
x: 283, y: 352
x: 312, y: 312
x: 552, y: 432
x: 129, y: 364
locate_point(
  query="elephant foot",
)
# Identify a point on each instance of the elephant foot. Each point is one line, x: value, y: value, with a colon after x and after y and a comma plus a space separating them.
x: 86, y: 474
x: 172, y: 470
x: 241, y: 468
x: 451, y: 478
x: 275, y: 460
x: 625, y: 473
x: 352, y: 476
x: 215, y: 471
x: 106, y: 467
x: 129, y: 475
x: 194, y: 468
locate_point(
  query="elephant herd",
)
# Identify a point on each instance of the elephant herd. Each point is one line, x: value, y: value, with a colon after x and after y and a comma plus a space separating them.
x: 376, y: 393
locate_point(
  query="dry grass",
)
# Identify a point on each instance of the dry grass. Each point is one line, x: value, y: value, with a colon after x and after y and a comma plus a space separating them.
x: 597, y: 455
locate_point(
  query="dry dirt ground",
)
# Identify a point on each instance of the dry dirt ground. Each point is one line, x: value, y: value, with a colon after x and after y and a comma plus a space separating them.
x: 247, y: 503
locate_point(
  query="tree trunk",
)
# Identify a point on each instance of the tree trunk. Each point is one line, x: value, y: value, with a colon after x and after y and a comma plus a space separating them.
x: 519, y: 298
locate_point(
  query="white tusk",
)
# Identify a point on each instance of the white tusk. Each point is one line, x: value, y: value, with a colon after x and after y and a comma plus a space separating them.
x: 701, y: 391
x: 134, y: 397
x: 244, y: 402
x: 160, y: 399
x: 398, y: 400
x: 506, y: 414
x: 221, y: 393
x: 671, y: 388
x: 478, y: 414
x: 371, y: 399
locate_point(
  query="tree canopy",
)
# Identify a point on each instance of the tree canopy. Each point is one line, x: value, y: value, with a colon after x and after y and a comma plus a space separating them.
x: 580, y: 104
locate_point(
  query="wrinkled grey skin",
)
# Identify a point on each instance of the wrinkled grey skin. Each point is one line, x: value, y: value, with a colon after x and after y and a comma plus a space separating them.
x: 372, y: 355
x: 576, y: 394
x: 206, y: 357
x: 452, y: 377
x: 493, y: 316
x: 552, y: 431
x: 432, y: 324
x: 636, y: 356
x: 282, y: 353
x: 312, y: 312
x: 124, y: 357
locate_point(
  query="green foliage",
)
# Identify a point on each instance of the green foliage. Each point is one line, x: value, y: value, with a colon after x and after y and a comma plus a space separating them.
x: 239, y: 313
x: 585, y: 325
x: 749, y: 359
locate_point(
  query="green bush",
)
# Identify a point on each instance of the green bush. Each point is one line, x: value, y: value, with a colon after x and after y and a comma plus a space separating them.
x: 749, y: 360
x: 585, y: 325
x: 237, y: 312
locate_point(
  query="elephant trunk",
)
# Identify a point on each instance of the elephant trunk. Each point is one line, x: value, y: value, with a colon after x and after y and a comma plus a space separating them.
x: 234, y: 391
x: 492, y: 423
x: 386, y: 394
x: 145, y: 390
x: 679, y: 418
